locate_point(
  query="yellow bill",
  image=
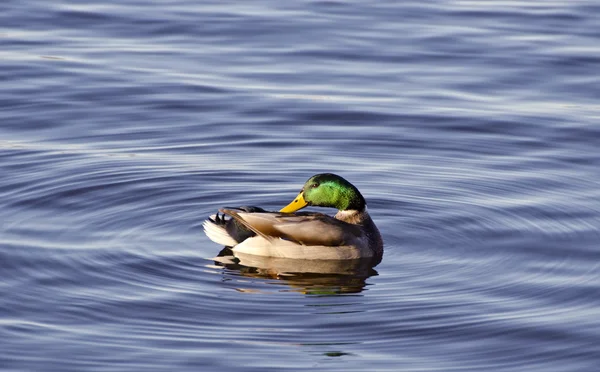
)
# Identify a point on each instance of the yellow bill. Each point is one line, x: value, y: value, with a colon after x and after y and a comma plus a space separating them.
x: 297, y: 204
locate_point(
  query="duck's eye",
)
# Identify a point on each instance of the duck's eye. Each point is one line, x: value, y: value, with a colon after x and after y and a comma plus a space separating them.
x: 314, y: 185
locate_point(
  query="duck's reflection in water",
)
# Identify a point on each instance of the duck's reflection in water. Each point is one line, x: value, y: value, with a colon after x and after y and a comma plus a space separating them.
x: 316, y: 277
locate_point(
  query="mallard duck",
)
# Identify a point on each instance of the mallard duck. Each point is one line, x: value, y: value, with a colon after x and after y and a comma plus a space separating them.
x: 351, y: 234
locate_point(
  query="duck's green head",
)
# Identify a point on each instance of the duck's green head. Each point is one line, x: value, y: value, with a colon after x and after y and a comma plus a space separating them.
x: 327, y: 190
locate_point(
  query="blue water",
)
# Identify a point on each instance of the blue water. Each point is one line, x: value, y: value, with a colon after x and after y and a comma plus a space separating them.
x: 470, y: 127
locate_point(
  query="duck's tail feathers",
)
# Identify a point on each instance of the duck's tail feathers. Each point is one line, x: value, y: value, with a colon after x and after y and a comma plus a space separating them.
x: 237, y: 216
x: 215, y: 229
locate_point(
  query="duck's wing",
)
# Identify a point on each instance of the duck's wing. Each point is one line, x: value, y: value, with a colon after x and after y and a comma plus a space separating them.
x: 303, y: 228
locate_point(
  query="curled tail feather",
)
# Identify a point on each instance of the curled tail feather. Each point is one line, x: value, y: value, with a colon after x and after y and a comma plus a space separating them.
x: 216, y: 230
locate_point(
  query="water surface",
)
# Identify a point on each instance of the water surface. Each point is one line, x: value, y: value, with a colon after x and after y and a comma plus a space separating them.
x: 470, y: 127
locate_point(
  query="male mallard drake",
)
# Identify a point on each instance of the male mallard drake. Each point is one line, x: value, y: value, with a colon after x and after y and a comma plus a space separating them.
x: 351, y: 234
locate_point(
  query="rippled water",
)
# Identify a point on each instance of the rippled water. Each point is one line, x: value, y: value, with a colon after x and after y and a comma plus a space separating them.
x: 470, y: 127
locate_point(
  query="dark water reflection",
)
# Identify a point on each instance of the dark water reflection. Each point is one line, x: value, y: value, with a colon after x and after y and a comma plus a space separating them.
x: 316, y: 277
